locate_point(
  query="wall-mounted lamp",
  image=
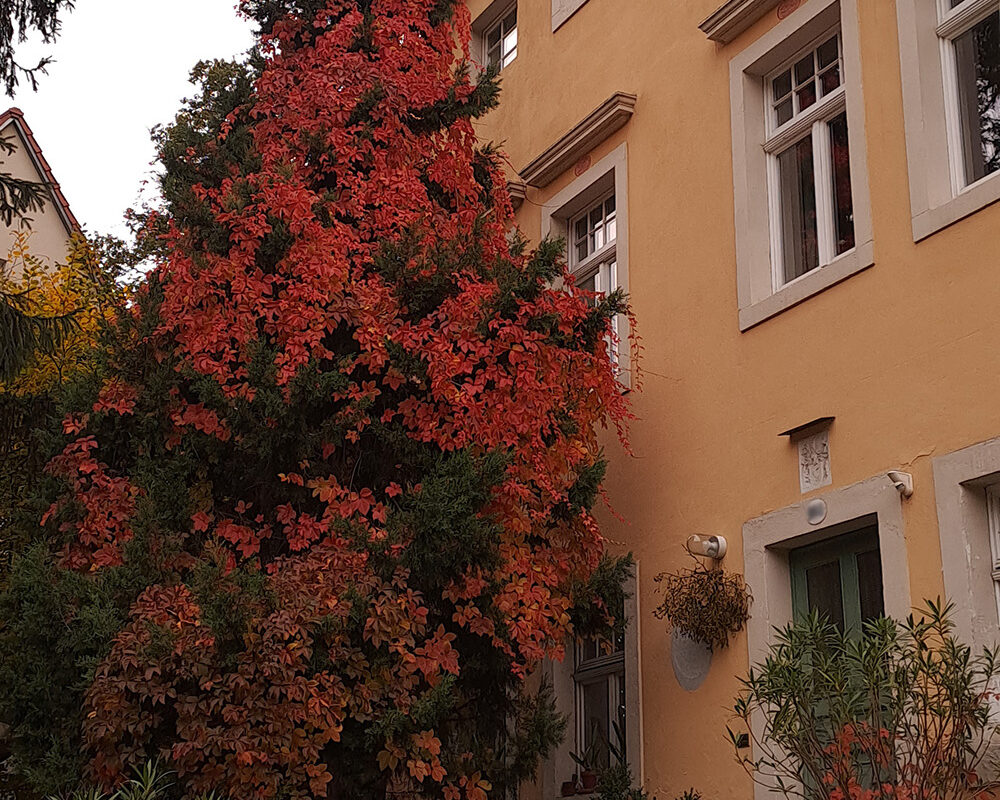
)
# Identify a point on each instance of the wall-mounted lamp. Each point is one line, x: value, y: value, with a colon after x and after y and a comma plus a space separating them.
x: 707, y: 546
x: 903, y: 481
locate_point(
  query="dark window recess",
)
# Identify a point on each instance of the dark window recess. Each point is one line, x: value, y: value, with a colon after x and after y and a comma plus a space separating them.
x: 840, y: 578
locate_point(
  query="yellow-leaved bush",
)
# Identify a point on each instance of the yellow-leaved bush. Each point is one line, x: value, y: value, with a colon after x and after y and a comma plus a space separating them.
x: 80, y: 286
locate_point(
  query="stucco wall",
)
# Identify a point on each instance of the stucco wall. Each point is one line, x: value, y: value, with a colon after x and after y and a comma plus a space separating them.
x: 903, y: 355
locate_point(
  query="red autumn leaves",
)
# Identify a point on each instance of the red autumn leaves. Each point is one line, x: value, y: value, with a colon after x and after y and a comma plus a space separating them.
x: 370, y: 195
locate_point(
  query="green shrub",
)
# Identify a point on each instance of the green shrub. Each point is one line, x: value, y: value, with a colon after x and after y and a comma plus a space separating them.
x: 902, y: 709
x: 151, y: 782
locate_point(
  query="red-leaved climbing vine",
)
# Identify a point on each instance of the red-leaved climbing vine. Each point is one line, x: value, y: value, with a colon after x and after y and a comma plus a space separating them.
x: 350, y: 438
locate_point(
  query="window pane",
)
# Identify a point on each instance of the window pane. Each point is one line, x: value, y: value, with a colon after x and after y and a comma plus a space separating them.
x: 828, y: 53
x: 597, y: 720
x: 493, y: 37
x: 782, y: 85
x: 825, y: 596
x: 843, y: 201
x: 589, y: 285
x: 870, y: 585
x: 510, y: 46
x: 804, y: 69
x: 830, y: 79
x: 806, y: 96
x: 784, y: 112
x: 798, y: 209
x: 977, y: 54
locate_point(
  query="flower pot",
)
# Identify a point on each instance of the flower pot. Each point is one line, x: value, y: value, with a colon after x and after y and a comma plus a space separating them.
x: 588, y: 781
x: 569, y: 788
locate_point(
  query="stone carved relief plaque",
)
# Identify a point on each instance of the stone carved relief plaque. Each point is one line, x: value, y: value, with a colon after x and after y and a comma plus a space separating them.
x: 814, y: 461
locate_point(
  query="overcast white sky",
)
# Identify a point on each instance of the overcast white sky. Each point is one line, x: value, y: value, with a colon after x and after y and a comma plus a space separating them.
x: 121, y: 67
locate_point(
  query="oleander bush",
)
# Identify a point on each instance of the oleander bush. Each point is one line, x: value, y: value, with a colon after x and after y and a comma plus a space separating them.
x: 897, y: 711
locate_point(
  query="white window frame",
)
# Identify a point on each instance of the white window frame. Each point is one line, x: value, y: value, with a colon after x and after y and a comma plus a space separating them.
x: 939, y: 196
x: 561, y: 675
x: 493, y: 15
x: 608, y: 175
x: 813, y: 121
x: 953, y: 23
x: 993, y: 518
x: 608, y: 667
x: 490, y: 29
x: 601, y: 265
x: 760, y: 294
x: 967, y: 492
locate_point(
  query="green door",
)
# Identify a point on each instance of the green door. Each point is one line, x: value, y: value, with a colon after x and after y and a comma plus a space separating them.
x: 841, y: 578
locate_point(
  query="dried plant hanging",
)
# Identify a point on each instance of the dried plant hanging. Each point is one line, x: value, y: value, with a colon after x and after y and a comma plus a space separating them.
x: 708, y: 605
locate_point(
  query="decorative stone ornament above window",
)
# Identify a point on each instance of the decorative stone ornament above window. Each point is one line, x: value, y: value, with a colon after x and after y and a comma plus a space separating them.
x: 734, y: 17
x: 813, y: 443
x: 593, y: 129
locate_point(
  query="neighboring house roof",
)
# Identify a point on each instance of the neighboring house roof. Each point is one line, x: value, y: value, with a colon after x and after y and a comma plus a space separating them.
x: 14, y: 116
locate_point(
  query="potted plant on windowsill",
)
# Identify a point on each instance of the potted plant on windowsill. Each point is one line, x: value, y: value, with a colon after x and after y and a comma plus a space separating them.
x: 589, y: 761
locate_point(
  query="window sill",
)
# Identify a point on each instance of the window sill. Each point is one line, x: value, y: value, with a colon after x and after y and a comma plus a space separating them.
x: 973, y: 199
x: 812, y: 283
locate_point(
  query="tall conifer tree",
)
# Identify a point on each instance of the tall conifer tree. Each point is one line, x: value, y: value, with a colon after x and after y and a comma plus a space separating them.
x: 329, y: 506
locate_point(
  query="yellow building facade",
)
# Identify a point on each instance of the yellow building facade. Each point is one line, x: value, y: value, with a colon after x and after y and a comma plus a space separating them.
x: 800, y: 199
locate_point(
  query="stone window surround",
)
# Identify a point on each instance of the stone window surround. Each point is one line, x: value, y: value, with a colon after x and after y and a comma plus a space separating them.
x: 610, y: 172
x: 960, y: 481
x: 768, y: 539
x: 936, y: 200
x: 562, y: 10
x: 561, y: 767
x: 757, y: 297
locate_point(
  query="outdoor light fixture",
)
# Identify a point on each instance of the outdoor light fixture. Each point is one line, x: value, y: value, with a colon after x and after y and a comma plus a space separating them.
x: 903, y: 481
x: 707, y: 546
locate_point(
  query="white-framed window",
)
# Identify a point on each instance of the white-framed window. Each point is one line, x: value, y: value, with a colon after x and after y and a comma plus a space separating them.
x: 967, y: 494
x: 591, y: 216
x: 970, y: 37
x: 809, y: 166
x: 950, y: 67
x: 500, y: 39
x: 993, y: 520
x: 803, y: 216
x: 601, y: 701
x: 597, y: 688
x: 593, y: 252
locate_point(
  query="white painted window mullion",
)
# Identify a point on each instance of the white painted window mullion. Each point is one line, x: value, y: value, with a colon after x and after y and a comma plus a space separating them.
x: 823, y: 175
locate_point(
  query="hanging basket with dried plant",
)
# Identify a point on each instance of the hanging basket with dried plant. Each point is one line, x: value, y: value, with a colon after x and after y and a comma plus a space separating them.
x: 705, y: 604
